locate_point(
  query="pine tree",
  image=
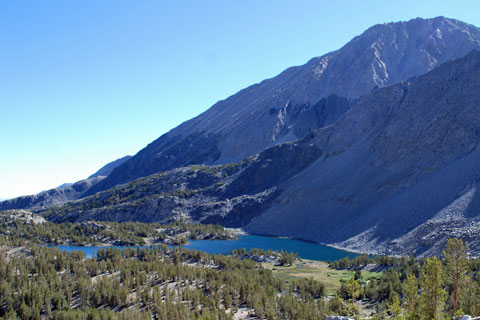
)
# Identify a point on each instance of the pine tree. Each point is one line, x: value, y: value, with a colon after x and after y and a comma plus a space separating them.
x: 410, y: 294
x: 456, y: 268
x: 352, y: 288
x: 432, y: 298
x: 394, y: 307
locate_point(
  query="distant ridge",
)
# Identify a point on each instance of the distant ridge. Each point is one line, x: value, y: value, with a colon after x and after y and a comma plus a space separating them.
x: 109, y: 167
x: 50, y: 197
x: 63, y: 193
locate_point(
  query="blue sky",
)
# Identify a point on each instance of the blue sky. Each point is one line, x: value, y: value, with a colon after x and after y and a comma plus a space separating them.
x: 85, y: 82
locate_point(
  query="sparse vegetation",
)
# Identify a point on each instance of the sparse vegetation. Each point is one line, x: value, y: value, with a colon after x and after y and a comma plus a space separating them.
x: 101, y: 232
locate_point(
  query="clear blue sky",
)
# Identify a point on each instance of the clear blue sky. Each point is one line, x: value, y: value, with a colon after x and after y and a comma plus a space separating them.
x: 85, y: 82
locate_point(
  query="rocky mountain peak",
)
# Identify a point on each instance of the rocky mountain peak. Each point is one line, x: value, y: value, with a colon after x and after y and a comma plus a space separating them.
x: 388, y: 53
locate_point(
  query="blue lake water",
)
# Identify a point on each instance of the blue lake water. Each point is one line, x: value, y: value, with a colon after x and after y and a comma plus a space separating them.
x: 306, y: 250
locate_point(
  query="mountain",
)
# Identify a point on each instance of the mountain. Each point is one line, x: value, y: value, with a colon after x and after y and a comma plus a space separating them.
x: 396, y: 174
x: 63, y: 193
x: 372, y: 147
x: 302, y: 99
x: 109, y: 167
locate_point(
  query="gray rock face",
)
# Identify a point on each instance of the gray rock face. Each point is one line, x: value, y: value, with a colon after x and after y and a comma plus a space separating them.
x: 290, y: 106
x: 230, y: 194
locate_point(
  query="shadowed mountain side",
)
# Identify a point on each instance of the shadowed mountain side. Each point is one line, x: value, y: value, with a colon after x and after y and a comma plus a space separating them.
x: 201, y: 147
x: 217, y: 194
x: 409, y: 179
x: 290, y: 106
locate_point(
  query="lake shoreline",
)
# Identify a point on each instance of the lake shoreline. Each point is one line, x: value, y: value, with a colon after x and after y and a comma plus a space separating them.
x: 239, y: 233
x: 305, y: 249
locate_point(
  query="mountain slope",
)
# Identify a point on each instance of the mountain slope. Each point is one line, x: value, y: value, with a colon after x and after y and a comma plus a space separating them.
x: 302, y: 99
x: 396, y: 174
x: 109, y: 167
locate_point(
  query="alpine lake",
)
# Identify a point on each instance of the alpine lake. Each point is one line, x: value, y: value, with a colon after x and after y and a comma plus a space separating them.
x: 305, y: 250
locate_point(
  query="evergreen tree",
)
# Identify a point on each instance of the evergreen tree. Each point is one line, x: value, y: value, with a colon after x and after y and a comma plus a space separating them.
x: 410, y: 294
x: 394, y: 307
x: 432, y: 298
x: 352, y: 289
x: 456, y: 268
